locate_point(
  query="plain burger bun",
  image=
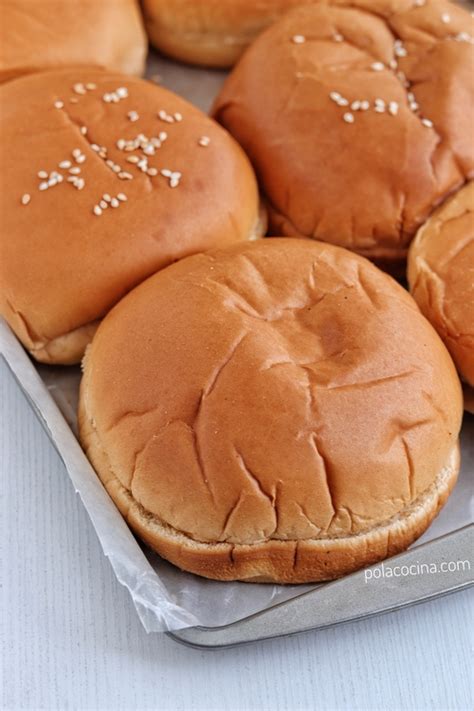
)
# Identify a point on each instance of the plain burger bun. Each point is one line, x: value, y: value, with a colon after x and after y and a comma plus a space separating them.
x: 105, y: 179
x: 275, y: 411
x: 358, y: 117
x: 441, y: 278
x: 213, y: 33
x: 49, y: 34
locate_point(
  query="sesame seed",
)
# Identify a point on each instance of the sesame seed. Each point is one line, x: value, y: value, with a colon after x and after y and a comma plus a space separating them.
x: 97, y: 210
x: 95, y: 147
x: 446, y: 18
x: 133, y: 116
x: 393, y: 64
x: 76, y: 152
x: 25, y: 199
x: 174, y: 182
x: 364, y: 105
x: 81, y: 158
x: 427, y: 122
x: 74, y: 100
x: 348, y: 117
x: 79, y: 184
x: 298, y: 39
x: 91, y: 86
x: 166, y: 173
x: 42, y: 174
x: 393, y: 108
x: 380, y: 109
x: 64, y: 164
x: 355, y: 106
x: 79, y: 88
x: 204, y: 141
x: 102, y: 154
x: 335, y: 96
x: 377, y: 66
x: 400, y: 51
x: 122, y: 92
x: 162, y: 135
x: 43, y: 186
x: 125, y: 176
x: 133, y: 159
x: 149, y: 150
x: 178, y: 117
x: 71, y: 179
x: 107, y: 98
x: 114, y: 202
x: 106, y: 197
x: 342, y: 102
x: 74, y: 171
x: 84, y: 130
x: 58, y: 104
x: 152, y: 171
x: 116, y: 168
x: 104, y: 205
x: 338, y: 37
x: 419, y: 3
x: 122, y: 197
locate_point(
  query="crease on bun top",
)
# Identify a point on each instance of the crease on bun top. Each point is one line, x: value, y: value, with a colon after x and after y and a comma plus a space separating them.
x: 276, y: 391
x: 357, y: 117
x: 441, y: 276
x: 106, y: 179
x: 37, y: 35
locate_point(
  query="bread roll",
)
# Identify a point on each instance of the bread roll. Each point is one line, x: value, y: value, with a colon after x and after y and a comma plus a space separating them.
x: 104, y: 180
x: 210, y: 32
x: 357, y: 116
x: 275, y: 411
x: 49, y: 34
x: 441, y: 278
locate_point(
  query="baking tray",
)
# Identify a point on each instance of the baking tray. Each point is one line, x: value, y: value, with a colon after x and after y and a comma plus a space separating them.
x: 52, y: 393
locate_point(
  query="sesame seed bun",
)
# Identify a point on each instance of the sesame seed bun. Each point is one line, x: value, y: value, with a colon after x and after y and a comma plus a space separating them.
x: 212, y: 33
x: 78, y: 236
x: 441, y: 278
x: 275, y: 411
x: 361, y: 175
x: 36, y: 35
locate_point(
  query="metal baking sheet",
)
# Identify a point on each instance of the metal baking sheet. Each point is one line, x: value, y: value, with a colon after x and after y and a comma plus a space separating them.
x: 206, y: 613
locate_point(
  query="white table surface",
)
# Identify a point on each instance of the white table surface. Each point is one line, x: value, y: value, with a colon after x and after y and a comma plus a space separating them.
x: 71, y: 638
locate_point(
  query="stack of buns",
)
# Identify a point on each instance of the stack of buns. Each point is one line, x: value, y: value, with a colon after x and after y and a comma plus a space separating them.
x: 267, y: 410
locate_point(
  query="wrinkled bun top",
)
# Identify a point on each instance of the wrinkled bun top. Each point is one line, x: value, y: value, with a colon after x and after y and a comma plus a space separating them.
x: 278, y: 389
x: 369, y: 180
x: 62, y: 266
x: 49, y: 34
x: 441, y: 276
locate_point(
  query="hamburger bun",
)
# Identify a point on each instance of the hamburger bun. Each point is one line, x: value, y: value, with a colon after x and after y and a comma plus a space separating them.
x: 36, y: 35
x: 178, y: 182
x: 213, y: 33
x: 357, y: 116
x: 275, y: 411
x: 441, y: 279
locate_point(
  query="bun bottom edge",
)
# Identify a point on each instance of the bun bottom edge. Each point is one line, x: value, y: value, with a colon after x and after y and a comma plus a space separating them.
x: 273, y: 561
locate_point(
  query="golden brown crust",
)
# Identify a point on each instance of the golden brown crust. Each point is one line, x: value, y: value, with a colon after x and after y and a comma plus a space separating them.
x: 441, y: 276
x: 47, y: 34
x: 80, y: 264
x: 366, y: 185
x: 213, y: 33
x: 273, y: 392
